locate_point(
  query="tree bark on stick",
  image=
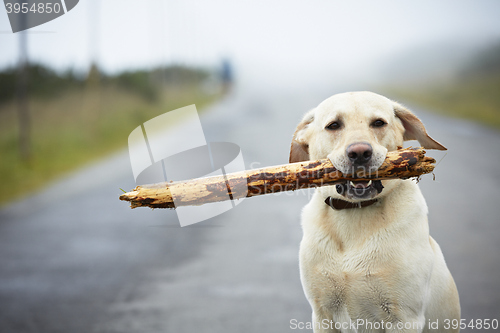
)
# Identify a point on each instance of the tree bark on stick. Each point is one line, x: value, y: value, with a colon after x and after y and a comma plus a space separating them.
x: 403, y: 163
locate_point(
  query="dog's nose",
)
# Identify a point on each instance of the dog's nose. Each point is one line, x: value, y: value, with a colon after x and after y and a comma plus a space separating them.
x: 359, y: 153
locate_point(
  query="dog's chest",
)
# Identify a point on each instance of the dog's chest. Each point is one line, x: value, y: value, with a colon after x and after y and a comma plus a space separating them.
x: 350, y: 284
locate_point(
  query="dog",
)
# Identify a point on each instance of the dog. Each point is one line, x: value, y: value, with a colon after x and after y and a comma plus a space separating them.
x: 367, y: 262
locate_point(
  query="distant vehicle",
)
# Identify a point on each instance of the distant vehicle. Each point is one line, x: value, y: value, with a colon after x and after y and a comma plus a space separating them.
x: 226, y: 74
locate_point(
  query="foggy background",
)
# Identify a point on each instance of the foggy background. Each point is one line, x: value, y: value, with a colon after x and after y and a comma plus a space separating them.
x: 292, y: 42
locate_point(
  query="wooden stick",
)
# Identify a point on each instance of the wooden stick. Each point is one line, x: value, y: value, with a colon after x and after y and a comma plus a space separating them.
x: 403, y: 163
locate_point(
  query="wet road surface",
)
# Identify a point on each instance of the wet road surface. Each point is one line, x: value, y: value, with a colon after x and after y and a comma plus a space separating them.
x: 74, y: 258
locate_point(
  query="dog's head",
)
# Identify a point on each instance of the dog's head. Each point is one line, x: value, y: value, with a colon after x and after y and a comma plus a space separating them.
x: 355, y: 131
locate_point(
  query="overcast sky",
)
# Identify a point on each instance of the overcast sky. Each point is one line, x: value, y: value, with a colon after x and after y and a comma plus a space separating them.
x: 282, y: 36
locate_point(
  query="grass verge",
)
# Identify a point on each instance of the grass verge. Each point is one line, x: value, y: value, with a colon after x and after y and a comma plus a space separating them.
x: 79, y: 126
x: 475, y: 98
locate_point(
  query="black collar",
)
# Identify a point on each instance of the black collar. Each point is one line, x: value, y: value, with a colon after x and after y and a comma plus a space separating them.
x: 339, y: 204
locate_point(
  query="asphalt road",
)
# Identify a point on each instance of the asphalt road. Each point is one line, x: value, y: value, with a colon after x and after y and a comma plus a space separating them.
x: 75, y: 259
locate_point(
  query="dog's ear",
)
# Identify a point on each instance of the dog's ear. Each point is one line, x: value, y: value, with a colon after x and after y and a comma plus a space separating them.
x: 299, y: 150
x: 414, y: 129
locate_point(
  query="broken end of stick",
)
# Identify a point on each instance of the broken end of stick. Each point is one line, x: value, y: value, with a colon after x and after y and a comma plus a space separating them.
x: 429, y: 168
x: 130, y: 196
x: 428, y: 163
x: 425, y: 165
x: 153, y: 196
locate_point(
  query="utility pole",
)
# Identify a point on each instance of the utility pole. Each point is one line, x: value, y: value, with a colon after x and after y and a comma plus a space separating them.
x: 94, y: 75
x: 22, y: 95
x: 93, y: 95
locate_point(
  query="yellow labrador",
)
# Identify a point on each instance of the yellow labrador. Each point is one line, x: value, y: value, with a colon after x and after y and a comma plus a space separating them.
x: 367, y: 261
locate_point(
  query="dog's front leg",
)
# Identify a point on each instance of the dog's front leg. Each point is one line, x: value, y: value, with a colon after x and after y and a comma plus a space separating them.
x: 322, y: 323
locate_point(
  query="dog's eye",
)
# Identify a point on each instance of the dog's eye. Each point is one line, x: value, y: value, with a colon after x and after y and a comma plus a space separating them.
x: 378, y: 123
x: 334, y: 126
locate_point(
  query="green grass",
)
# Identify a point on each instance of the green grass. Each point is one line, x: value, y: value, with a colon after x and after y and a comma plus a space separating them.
x: 475, y: 98
x: 76, y: 128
